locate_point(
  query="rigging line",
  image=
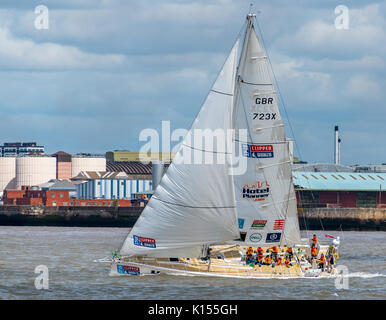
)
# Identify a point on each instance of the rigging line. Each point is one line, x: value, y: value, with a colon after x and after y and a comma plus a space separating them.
x: 194, y: 207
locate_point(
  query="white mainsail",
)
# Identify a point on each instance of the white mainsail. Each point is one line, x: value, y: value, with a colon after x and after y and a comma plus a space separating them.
x: 266, y: 202
x: 194, y: 204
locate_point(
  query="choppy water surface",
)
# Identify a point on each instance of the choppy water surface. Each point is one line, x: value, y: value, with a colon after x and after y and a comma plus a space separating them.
x: 69, y: 254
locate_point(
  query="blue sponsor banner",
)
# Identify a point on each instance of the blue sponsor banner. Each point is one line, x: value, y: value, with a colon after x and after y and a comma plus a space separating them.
x: 273, y: 237
x: 241, y: 223
x: 257, y: 151
x: 121, y: 269
x: 144, y: 242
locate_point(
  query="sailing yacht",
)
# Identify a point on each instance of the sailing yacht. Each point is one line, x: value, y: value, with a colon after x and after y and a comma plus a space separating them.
x: 203, y: 217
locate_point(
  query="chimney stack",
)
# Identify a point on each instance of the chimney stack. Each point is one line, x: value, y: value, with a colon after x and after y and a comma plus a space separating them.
x: 337, y: 146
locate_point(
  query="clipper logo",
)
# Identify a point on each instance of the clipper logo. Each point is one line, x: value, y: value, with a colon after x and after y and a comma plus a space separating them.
x: 257, y: 151
x: 273, y: 237
x: 121, y: 269
x: 144, y: 242
x: 257, y: 192
x: 258, y: 223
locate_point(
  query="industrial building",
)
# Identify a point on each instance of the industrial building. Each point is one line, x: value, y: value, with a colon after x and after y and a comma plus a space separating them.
x: 109, y: 185
x: 340, y: 189
x: 20, y: 148
x: 34, y: 170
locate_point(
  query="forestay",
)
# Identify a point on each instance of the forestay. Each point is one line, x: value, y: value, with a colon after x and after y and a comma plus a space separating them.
x: 194, y: 204
x: 266, y: 202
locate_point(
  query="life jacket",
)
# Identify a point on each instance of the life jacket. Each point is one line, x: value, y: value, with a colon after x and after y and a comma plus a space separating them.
x: 279, y: 261
x: 322, y: 259
x: 275, y: 250
x: 314, y: 251
x: 289, y: 250
x: 250, y: 251
x: 259, y: 250
x: 314, y: 240
x: 268, y: 259
x: 287, y: 262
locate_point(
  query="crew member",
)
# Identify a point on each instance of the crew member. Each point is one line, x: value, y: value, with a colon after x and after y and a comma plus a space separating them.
x: 279, y: 261
x: 267, y: 260
x: 322, y: 261
x: 290, y: 253
x: 259, y: 254
x: 314, y: 252
x: 314, y: 240
x: 249, y: 254
x: 275, y: 252
x: 287, y: 263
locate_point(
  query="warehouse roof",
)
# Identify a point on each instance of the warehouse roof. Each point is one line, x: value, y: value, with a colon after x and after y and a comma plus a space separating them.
x: 346, y: 181
x: 131, y: 167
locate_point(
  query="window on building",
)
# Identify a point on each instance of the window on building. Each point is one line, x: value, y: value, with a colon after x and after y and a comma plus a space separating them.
x: 77, y: 203
x: 99, y: 183
x: 53, y: 195
x: 95, y: 203
x: 104, y: 204
x: 89, y: 203
x: 54, y: 204
x: 61, y: 195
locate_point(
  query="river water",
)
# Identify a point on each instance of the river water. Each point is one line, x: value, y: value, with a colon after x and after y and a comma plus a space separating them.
x: 70, y: 254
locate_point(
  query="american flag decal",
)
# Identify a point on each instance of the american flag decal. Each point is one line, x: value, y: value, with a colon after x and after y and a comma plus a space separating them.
x: 278, y: 224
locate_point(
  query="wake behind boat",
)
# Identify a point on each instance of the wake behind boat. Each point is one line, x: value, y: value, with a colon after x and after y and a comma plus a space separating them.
x: 223, y: 218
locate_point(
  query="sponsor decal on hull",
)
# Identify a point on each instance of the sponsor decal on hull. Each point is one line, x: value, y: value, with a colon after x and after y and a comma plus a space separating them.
x: 258, y: 191
x: 273, y: 237
x: 144, y: 242
x: 121, y: 269
x: 257, y: 150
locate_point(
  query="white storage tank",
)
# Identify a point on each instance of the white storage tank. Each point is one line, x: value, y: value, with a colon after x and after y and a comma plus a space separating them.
x: 7, y: 173
x: 34, y: 170
x: 87, y: 163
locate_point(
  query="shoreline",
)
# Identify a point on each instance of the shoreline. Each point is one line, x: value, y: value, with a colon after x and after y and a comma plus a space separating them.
x: 332, y: 219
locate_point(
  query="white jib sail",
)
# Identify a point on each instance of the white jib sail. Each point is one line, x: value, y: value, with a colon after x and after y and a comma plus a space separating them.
x: 194, y: 204
x: 266, y: 202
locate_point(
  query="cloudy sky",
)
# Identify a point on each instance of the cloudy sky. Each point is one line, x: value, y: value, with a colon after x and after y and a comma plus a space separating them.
x: 106, y: 69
